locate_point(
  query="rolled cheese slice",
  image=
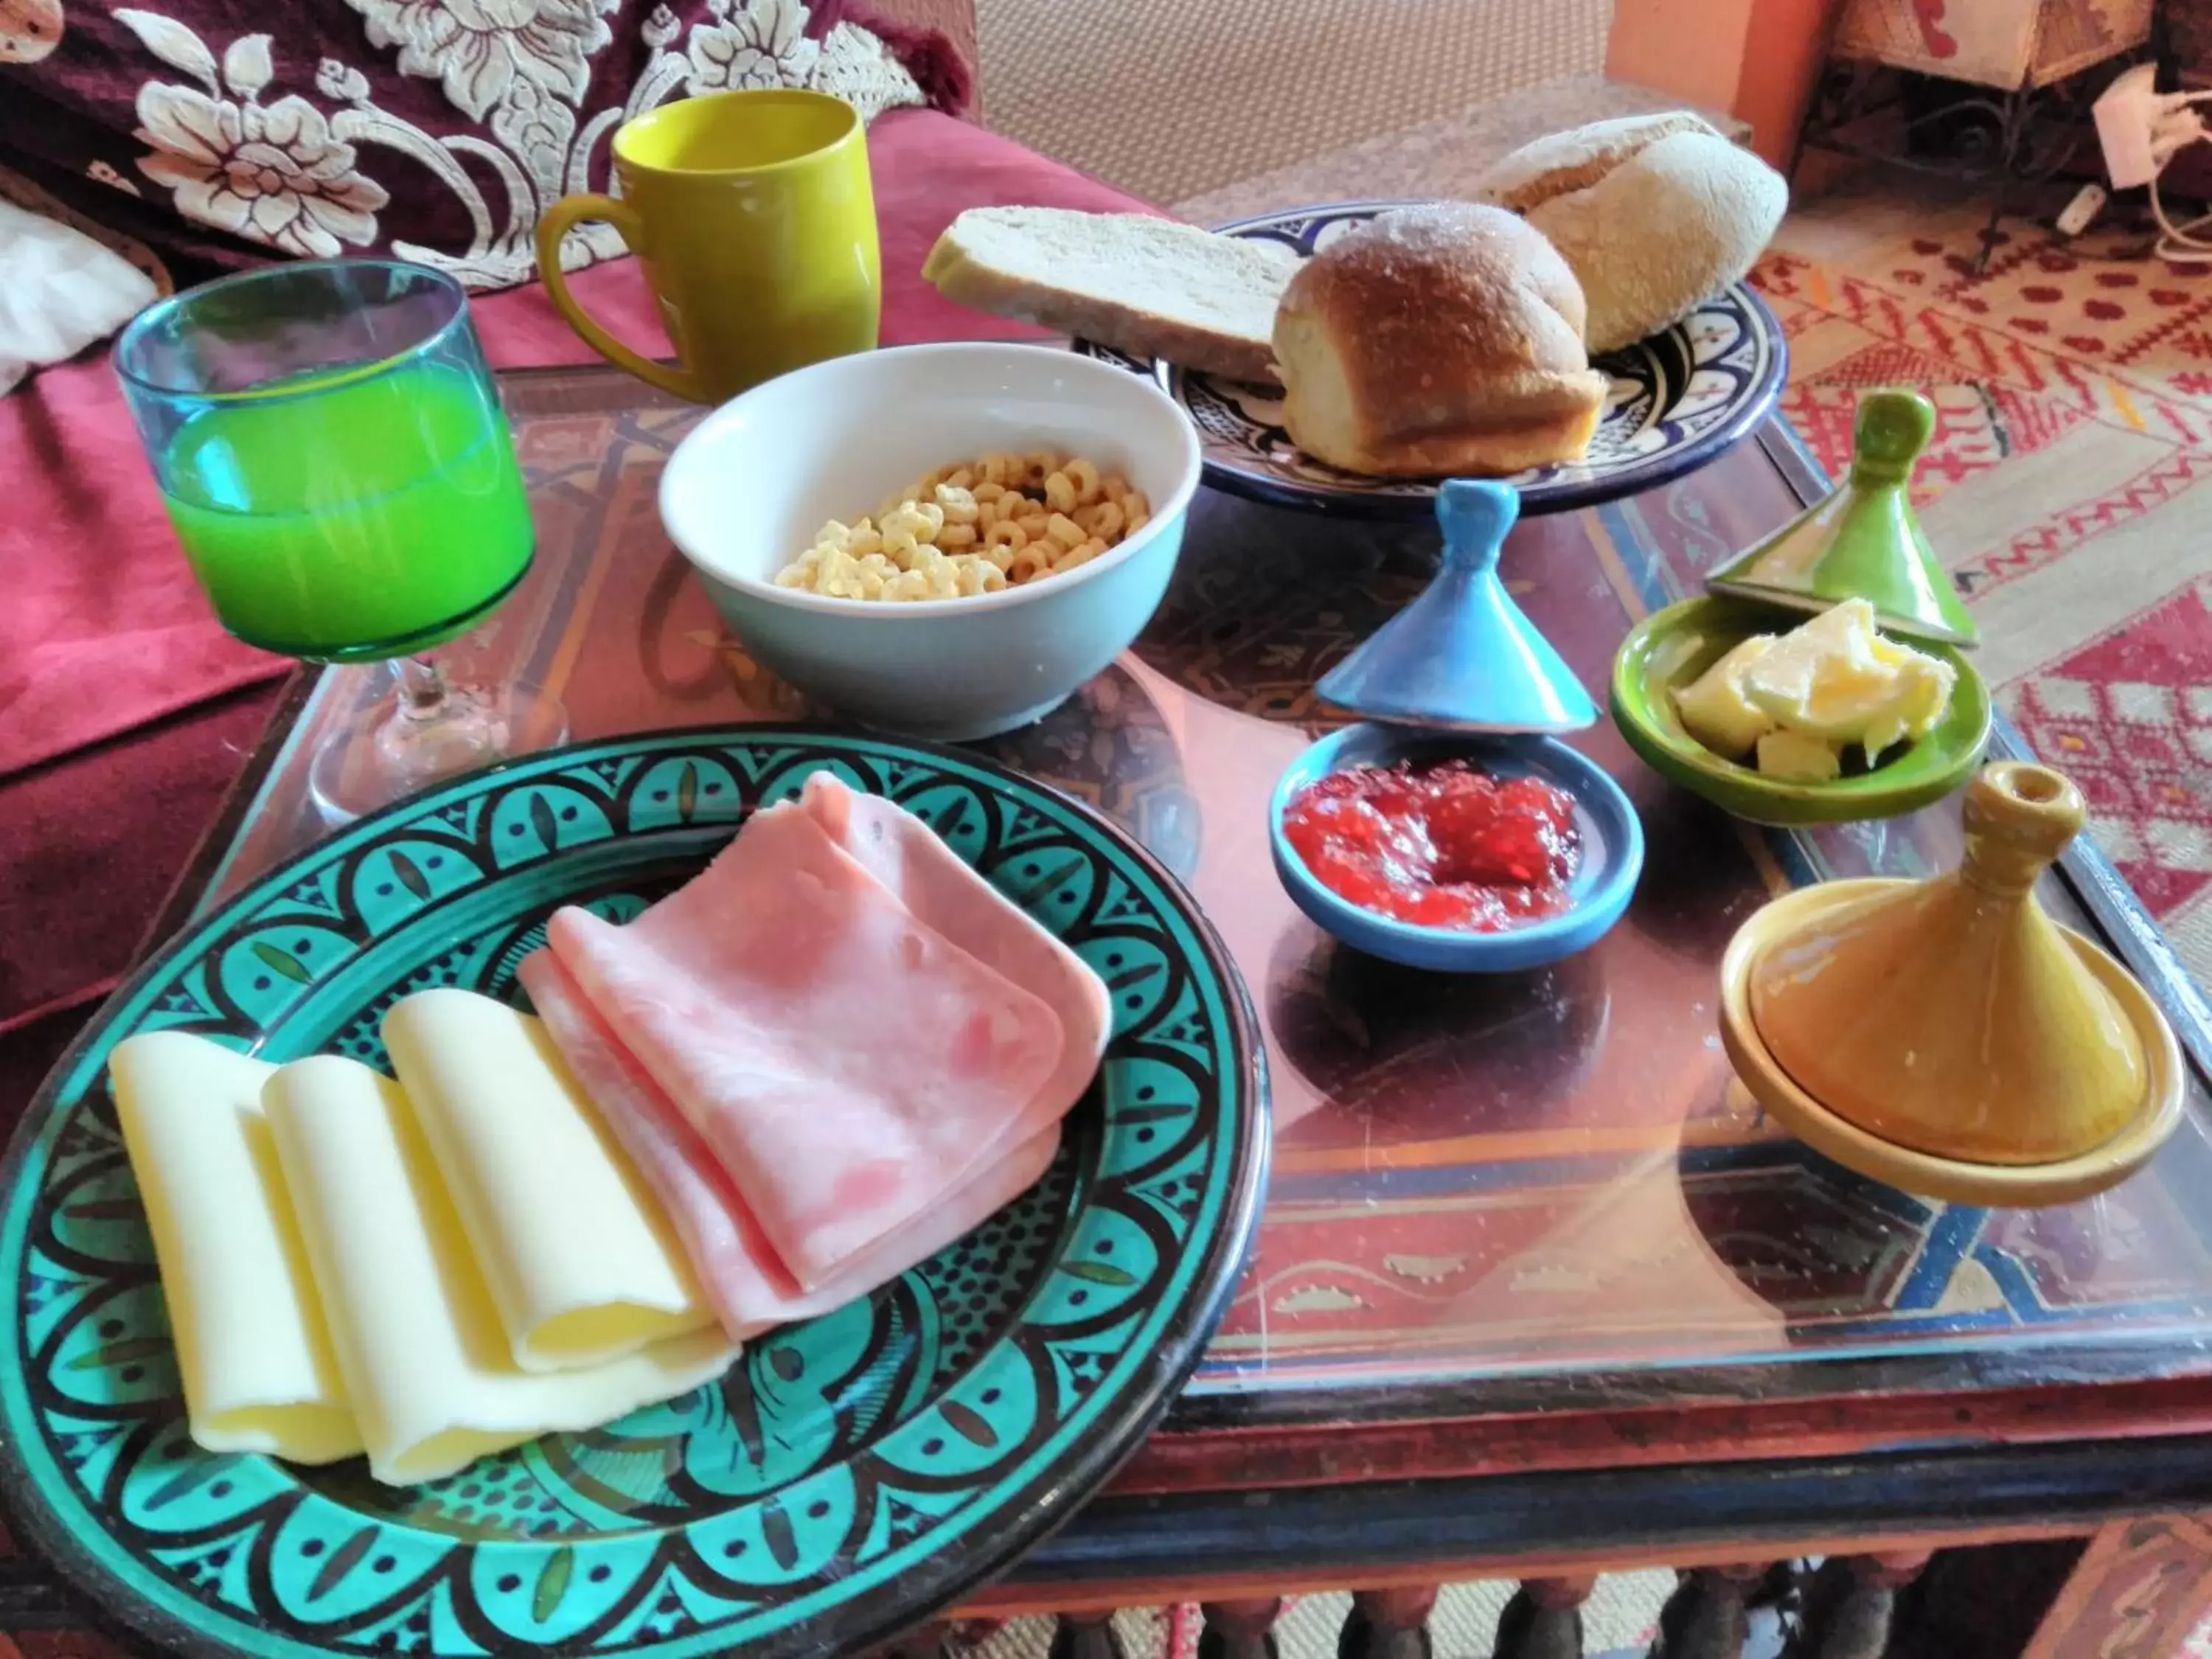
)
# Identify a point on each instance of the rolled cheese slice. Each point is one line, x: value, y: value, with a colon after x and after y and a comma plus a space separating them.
x: 252, y: 1349
x: 426, y: 1361
x: 579, y: 1261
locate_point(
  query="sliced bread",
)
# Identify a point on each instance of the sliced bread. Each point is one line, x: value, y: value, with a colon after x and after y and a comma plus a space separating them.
x: 1143, y: 285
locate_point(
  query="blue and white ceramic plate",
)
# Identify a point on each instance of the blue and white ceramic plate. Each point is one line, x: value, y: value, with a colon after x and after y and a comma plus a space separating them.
x: 1678, y: 399
x: 849, y: 1475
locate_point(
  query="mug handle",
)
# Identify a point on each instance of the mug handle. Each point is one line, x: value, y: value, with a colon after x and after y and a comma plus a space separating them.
x: 551, y: 227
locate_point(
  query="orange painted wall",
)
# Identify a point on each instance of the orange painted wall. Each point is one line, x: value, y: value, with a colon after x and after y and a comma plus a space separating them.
x: 1756, y: 59
x: 1689, y: 49
x: 1783, y: 49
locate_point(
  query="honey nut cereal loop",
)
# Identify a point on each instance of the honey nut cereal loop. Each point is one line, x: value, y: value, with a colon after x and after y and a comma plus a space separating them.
x: 973, y: 527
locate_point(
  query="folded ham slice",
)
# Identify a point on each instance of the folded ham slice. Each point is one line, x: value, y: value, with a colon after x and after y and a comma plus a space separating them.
x: 738, y: 1270
x: 943, y: 891
x: 845, y: 1064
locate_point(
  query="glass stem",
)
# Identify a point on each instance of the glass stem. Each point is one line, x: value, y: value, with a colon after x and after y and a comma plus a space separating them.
x: 423, y: 689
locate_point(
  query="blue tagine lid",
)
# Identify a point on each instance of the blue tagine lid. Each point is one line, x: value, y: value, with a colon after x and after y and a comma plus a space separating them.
x: 1462, y: 657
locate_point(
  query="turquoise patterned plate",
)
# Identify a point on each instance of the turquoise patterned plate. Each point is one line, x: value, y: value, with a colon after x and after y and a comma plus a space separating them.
x: 850, y: 1475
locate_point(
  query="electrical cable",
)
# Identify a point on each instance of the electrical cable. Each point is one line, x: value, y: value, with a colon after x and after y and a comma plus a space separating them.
x: 2175, y: 244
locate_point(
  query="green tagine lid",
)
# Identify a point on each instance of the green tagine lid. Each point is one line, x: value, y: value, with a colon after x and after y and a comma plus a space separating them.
x: 1863, y: 541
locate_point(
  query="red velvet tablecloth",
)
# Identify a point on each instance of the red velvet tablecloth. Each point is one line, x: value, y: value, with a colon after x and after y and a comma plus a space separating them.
x: 125, y: 711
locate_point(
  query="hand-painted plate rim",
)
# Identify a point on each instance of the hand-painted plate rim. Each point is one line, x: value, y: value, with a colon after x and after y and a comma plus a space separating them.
x: 1046, y: 1488
x: 1543, y: 489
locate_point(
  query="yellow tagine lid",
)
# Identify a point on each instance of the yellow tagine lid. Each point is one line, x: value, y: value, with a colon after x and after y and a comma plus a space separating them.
x: 1952, y: 1016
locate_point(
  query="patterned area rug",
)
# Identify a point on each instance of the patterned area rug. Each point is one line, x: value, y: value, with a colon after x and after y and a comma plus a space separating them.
x: 2064, y: 489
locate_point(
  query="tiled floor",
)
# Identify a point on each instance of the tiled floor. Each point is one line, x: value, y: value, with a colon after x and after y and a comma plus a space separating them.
x: 1168, y: 97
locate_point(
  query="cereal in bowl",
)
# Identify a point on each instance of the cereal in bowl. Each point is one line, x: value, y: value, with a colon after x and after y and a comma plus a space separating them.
x: 973, y: 527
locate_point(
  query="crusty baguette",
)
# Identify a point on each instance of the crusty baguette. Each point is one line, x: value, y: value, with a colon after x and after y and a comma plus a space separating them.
x: 1564, y: 162
x: 1654, y: 213
x: 1438, y: 341
x: 1675, y: 223
x: 1149, y: 286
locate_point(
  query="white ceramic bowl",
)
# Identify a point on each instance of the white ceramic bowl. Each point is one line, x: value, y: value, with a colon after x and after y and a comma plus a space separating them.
x: 744, y: 493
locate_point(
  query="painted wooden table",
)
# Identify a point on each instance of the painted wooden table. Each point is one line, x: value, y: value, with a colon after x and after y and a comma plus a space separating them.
x: 1540, y: 1290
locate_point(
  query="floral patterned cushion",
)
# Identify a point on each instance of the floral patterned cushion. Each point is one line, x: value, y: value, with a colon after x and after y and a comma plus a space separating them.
x: 434, y: 129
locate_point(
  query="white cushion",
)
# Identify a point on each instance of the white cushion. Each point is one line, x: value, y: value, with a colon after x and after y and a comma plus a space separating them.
x: 59, y: 291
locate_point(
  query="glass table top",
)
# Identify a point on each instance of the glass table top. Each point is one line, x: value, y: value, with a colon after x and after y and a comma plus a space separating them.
x: 1484, y: 1186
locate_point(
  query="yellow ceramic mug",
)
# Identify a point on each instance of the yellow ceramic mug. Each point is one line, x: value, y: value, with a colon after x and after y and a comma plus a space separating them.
x: 753, y: 217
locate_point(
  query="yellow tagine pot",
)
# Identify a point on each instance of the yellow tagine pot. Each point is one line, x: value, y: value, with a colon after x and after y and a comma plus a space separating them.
x: 1946, y: 1036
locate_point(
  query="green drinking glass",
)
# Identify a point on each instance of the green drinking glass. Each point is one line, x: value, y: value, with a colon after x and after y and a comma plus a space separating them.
x: 330, y: 445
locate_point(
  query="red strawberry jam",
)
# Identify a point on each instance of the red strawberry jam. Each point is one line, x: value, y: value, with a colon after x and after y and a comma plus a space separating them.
x: 1447, y: 846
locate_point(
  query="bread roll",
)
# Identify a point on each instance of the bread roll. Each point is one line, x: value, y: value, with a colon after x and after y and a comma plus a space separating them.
x: 1436, y: 341
x: 1654, y: 213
